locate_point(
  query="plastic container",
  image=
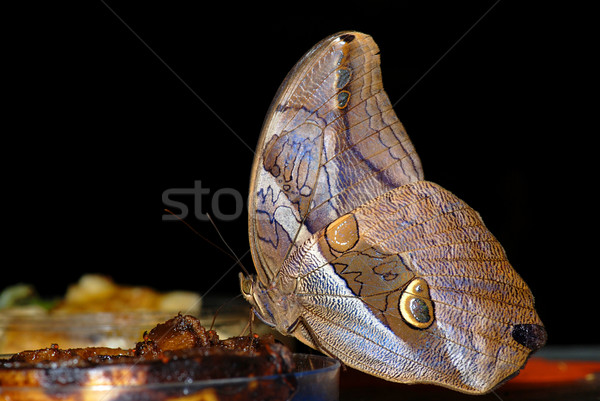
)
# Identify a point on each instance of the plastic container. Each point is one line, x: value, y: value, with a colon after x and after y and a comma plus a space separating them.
x: 20, y: 332
x: 75, y: 330
x: 316, y: 379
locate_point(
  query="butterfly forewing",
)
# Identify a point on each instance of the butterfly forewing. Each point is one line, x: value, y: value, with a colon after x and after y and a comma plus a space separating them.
x: 331, y: 142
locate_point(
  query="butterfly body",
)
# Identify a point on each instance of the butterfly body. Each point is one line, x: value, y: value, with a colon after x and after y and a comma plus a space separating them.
x: 358, y: 256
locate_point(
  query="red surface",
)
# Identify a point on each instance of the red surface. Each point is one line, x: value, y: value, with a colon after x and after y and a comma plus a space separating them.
x: 540, y: 371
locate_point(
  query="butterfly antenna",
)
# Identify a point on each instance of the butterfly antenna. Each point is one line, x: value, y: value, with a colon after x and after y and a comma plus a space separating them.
x: 235, y: 257
x: 231, y: 254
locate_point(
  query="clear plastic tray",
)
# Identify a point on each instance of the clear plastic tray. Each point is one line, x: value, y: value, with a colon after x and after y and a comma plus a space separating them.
x: 99, y: 329
x: 316, y: 379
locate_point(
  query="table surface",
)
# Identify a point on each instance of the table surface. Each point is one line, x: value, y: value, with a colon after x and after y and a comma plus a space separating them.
x: 555, y: 373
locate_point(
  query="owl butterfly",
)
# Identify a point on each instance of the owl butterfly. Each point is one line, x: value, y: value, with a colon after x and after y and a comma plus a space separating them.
x: 359, y: 257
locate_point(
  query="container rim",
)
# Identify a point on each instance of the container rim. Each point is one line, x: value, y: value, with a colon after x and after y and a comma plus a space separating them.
x: 325, y: 365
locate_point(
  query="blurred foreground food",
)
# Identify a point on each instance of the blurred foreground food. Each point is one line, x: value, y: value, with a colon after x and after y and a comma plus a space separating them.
x: 95, y: 311
x: 99, y: 293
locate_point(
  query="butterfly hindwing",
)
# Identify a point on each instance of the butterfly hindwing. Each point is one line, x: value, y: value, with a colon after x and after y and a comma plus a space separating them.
x: 435, y: 298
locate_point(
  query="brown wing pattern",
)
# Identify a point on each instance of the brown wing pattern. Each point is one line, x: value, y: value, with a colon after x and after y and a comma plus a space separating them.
x: 391, y: 274
x: 422, y: 232
x: 330, y: 143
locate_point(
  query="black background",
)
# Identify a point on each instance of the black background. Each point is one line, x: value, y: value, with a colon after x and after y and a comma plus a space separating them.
x: 97, y: 127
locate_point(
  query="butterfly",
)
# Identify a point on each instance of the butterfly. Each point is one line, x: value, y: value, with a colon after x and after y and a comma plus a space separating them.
x: 361, y: 258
